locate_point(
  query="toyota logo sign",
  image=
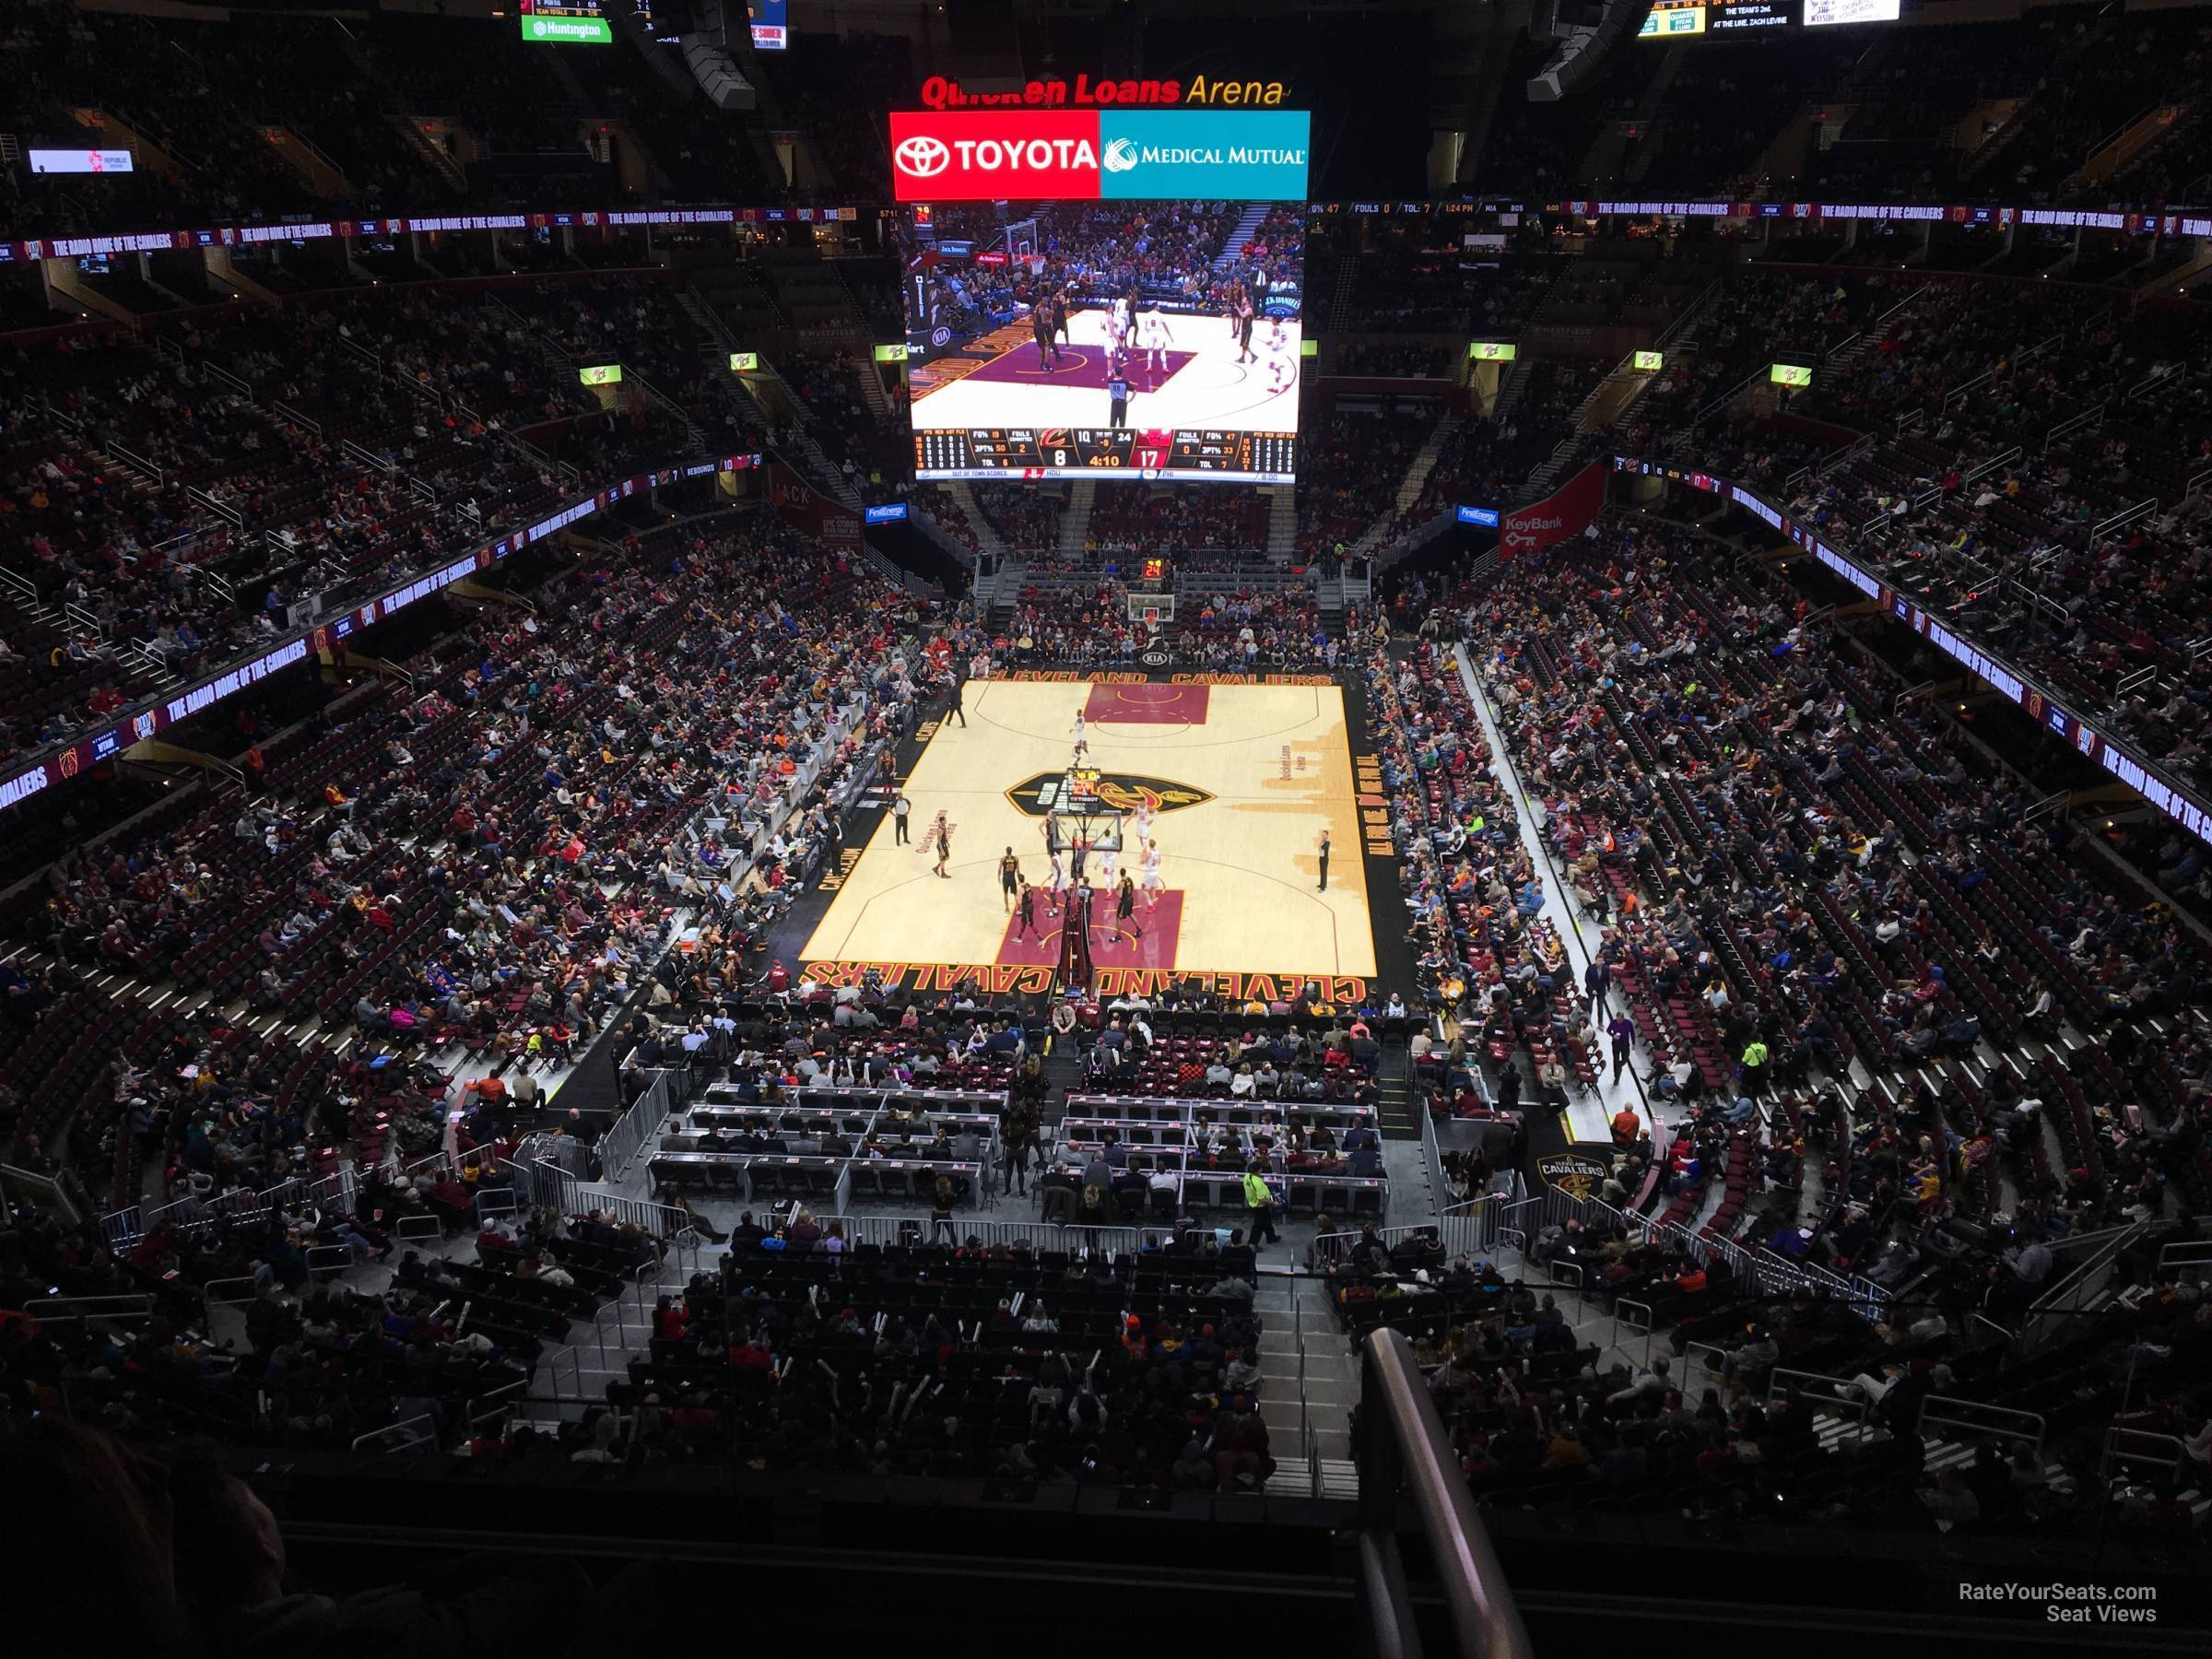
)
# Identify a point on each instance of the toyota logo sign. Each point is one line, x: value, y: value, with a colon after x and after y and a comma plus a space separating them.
x: 923, y: 157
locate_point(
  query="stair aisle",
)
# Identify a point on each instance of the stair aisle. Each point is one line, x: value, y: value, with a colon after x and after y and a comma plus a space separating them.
x: 1410, y: 486
x: 1282, y: 521
x: 986, y: 534
x: 1395, y: 1103
x: 1310, y: 1381
x: 1247, y: 223
x: 1075, y: 524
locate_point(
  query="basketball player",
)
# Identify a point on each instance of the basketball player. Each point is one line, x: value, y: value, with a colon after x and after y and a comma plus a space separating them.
x: 1277, y: 349
x: 1082, y: 748
x: 1144, y: 823
x: 1058, y: 876
x: 1081, y: 914
x: 1232, y: 300
x: 1107, y: 858
x: 1025, y: 911
x: 1040, y: 330
x: 1151, y: 867
x: 1244, y: 316
x: 1124, y: 907
x: 1060, y: 316
x: 1009, y: 877
x: 1157, y: 341
x: 941, y: 834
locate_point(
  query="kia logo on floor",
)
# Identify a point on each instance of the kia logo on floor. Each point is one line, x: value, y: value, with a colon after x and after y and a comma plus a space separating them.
x: 923, y: 157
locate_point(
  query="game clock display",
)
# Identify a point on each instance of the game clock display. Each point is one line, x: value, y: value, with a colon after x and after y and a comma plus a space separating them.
x: 1214, y: 454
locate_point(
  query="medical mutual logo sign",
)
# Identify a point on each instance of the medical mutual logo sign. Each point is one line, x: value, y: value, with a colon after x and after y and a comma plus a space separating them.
x: 1226, y: 154
x: 1084, y: 155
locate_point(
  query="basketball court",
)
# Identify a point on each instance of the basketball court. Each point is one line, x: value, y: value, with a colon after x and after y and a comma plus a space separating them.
x: 1240, y: 782
x: 997, y: 381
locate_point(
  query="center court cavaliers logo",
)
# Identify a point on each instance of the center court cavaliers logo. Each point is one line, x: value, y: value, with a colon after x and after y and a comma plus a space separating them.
x: 1122, y: 792
x: 923, y: 157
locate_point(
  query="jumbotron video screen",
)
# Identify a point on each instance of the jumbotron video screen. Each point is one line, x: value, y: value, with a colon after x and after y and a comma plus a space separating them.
x: 1119, y: 337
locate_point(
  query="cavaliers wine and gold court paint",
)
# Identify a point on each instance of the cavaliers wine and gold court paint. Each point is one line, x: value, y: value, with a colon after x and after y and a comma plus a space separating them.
x: 1241, y: 781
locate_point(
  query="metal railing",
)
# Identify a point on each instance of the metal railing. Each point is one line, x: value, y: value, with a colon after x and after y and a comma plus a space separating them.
x: 1971, y: 1419
x: 57, y: 1309
x: 2186, y: 1253
x: 1404, y: 1453
x: 138, y: 463
x: 2078, y: 1290
x: 2141, y: 1447
x: 2126, y: 516
x: 236, y: 383
x: 619, y: 1148
x: 297, y: 417
x: 2093, y: 416
x: 1037, y: 1235
x: 1629, y: 1312
x: 1835, y: 1394
x: 409, y: 1432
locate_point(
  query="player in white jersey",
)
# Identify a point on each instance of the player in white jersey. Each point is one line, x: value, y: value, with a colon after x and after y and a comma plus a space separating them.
x: 1157, y: 339
x: 1276, y: 356
x: 1058, y: 879
x: 1144, y: 824
x: 1082, y: 748
x: 1151, y: 867
x: 1108, y: 856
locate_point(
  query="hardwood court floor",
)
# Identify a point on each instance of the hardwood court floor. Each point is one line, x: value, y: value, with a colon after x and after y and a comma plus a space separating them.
x: 1264, y: 771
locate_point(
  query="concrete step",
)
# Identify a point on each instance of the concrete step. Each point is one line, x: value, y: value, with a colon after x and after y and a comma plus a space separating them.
x: 1293, y: 1477
x: 1329, y: 1398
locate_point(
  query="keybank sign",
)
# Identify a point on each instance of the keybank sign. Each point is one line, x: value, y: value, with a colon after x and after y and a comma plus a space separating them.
x: 1086, y: 155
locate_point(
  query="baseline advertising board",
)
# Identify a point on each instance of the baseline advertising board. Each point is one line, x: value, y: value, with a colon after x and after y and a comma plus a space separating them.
x: 1093, y: 155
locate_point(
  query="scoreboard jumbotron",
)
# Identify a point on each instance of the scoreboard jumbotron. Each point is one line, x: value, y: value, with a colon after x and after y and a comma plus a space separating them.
x: 985, y: 453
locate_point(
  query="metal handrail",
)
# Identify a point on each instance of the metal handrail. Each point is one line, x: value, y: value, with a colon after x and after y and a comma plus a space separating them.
x: 2185, y: 1253
x: 1965, y: 1418
x: 2163, y: 1451
x: 1624, y: 1305
x: 1836, y: 1394
x: 1403, y: 1450
x: 426, y: 1435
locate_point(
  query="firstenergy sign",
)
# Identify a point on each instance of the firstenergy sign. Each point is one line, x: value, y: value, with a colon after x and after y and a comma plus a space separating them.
x: 1256, y: 155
